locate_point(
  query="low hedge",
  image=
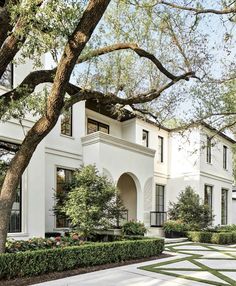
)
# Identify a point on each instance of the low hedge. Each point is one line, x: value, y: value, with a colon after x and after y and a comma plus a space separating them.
x: 32, y: 263
x: 212, y: 237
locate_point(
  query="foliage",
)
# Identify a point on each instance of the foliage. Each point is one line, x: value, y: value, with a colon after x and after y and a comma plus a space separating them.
x: 212, y: 237
x: 32, y: 263
x: 190, y: 210
x: 175, y: 226
x: 13, y: 246
x: 133, y: 228
x: 90, y: 201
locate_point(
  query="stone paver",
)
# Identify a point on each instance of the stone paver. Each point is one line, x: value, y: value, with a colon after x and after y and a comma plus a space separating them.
x: 191, y: 264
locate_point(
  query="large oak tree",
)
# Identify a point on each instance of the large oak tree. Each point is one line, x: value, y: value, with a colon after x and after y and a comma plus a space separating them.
x: 77, y: 34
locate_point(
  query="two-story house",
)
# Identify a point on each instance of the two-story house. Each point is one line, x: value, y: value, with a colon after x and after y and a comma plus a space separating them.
x: 150, y: 165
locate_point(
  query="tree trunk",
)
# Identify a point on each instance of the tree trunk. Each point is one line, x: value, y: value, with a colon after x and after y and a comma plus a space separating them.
x: 55, y: 103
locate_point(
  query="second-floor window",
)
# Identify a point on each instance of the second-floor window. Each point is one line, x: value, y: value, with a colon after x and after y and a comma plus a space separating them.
x: 145, y: 138
x: 94, y: 126
x: 66, y: 123
x: 225, y: 156
x: 160, y: 150
x: 7, y: 78
x: 208, y: 150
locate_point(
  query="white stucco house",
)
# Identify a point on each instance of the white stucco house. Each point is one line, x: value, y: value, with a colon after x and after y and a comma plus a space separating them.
x: 150, y: 165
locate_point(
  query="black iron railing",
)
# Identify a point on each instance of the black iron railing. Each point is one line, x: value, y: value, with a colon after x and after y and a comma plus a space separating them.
x: 157, y: 219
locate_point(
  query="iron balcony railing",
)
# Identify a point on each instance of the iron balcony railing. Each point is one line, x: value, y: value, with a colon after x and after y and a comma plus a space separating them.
x: 157, y: 219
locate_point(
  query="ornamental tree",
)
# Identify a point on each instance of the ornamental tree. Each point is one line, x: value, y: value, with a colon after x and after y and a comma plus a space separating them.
x: 91, y: 201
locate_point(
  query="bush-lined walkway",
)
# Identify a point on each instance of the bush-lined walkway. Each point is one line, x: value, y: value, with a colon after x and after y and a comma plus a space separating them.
x: 192, y: 264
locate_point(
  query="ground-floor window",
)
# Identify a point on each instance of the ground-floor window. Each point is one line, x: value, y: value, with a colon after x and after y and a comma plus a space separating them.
x: 224, y: 206
x: 64, y: 177
x: 7, y: 152
x: 208, y: 196
x: 160, y: 198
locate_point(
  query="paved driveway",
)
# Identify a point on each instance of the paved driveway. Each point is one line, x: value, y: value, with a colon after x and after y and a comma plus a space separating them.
x: 192, y: 264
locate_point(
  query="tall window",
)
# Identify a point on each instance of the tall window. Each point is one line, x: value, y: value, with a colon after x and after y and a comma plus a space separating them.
x: 160, y: 149
x: 66, y: 123
x: 208, y: 150
x: 160, y: 198
x: 208, y: 196
x: 64, y: 177
x: 7, y: 152
x: 225, y: 155
x: 224, y: 206
x: 94, y: 126
x: 7, y: 77
x: 145, y: 138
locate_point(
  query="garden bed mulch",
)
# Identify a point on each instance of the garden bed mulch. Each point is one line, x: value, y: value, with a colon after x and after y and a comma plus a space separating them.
x: 58, y: 275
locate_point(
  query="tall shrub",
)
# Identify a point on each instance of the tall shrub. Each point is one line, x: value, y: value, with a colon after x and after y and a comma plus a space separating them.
x: 191, y: 210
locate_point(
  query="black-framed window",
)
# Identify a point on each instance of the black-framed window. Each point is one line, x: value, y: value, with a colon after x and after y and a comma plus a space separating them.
x: 160, y: 198
x: 208, y: 193
x: 7, y: 78
x: 160, y: 150
x: 7, y: 152
x: 145, y: 138
x: 225, y: 156
x: 208, y: 149
x: 94, y: 126
x: 64, y: 177
x: 224, y: 206
x: 66, y: 122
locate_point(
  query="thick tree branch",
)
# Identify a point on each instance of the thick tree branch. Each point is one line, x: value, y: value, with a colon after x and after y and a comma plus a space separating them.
x: 124, y: 46
x: 224, y: 11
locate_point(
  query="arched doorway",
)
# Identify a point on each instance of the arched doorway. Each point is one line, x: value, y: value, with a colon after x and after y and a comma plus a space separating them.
x: 128, y: 193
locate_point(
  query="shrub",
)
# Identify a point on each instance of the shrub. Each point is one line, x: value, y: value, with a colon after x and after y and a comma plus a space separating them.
x: 190, y: 210
x: 212, y: 237
x: 32, y: 263
x: 175, y: 226
x: 133, y: 228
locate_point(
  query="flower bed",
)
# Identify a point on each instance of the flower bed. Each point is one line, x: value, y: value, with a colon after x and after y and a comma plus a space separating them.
x: 13, y: 246
x: 32, y: 263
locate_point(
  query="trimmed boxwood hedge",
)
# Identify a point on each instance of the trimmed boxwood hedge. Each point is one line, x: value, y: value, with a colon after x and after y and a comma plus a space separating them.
x: 32, y: 263
x: 212, y: 237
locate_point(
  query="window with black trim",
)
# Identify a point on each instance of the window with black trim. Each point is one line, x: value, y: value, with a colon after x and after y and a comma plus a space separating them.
x: 160, y: 154
x: 7, y: 78
x: 208, y: 150
x: 160, y: 198
x: 7, y: 152
x: 145, y: 139
x: 224, y: 206
x: 66, y: 122
x: 64, y: 178
x: 208, y: 191
x: 94, y: 126
x: 225, y: 156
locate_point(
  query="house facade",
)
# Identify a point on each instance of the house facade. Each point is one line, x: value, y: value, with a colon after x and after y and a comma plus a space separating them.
x: 150, y: 165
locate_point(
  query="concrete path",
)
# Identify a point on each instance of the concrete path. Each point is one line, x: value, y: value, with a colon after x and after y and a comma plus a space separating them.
x: 191, y: 264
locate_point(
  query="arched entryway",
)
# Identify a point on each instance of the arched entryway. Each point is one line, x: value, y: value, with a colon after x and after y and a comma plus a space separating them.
x: 128, y: 193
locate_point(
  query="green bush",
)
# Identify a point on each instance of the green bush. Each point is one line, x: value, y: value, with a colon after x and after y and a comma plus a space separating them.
x: 32, y: 263
x: 175, y: 226
x: 191, y: 210
x: 133, y: 228
x: 212, y: 237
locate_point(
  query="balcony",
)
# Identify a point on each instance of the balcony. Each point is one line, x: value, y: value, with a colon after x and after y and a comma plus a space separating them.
x: 157, y: 219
